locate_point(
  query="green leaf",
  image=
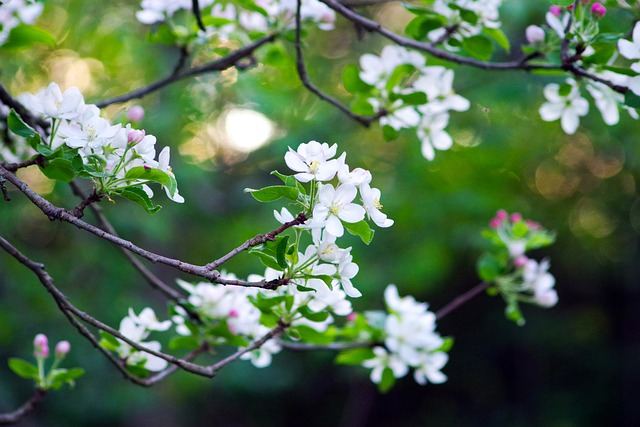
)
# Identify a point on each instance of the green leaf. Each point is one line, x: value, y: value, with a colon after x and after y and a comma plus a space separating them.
x: 418, y: 10
x: 497, y: 35
x: 420, y: 26
x: 59, y: 169
x: 446, y: 345
x: 479, y: 47
x: 282, y: 243
x: 488, y: 267
x: 18, y: 126
x: 269, y: 320
x: 389, y: 133
x: 313, y: 316
x: 24, y: 36
x: 387, y: 382
x: 44, y: 150
x: 399, y: 75
x: 632, y: 100
x: 23, y: 369
x: 513, y: 313
x: 602, y: 55
x: 266, y: 259
x: 360, y: 229
x: 354, y: 356
x: 413, y: 98
x: 164, y: 34
x: 352, y: 81
x: 360, y: 105
x: 137, y: 195
x: 59, y: 377
x: 520, y: 230
x: 565, y: 89
x: 153, y: 175
x: 269, y: 194
x: 561, y: 2
x: 310, y: 335
x: 108, y: 341
x: 540, y: 240
x: 222, y: 330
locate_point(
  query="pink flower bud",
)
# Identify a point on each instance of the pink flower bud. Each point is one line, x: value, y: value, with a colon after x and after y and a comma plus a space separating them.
x: 501, y: 215
x: 598, y: 9
x: 570, y: 7
x: 520, y: 261
x: 147, y: 167
x: 135, y: 113
x: 351, y: 317
x: 534, y: 34
x: 516, y: 217
x: 495, y: 223
x: 555, y: 10
x: 62, y: 349
x: 40, y: 346
x: 234, y: 313
x: 135, y: 136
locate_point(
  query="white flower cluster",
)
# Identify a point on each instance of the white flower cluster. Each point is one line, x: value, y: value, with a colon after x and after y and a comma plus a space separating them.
x: 631, y: 50
x: 565, y: 102
x: 16, y: 12
x: 410, y: 341
x: 109, y: 150
x: 486, y: 11
x: 531, y: 281
x: 278, y: 13
x: 436, y: 82
x: 137, y: 328
x: 332, y: 207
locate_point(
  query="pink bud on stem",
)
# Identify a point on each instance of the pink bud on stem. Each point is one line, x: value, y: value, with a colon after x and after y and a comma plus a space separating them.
x: 135, y: 113
x: 41, y: 346
x: 62, y: 349
x: 555, y: 10
x: 598, y: 9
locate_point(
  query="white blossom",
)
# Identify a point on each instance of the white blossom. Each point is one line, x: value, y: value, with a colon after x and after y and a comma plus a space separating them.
x: 568, y: 108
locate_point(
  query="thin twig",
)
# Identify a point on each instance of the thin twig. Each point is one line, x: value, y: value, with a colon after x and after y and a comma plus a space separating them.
x: 304, y: 78
x: 195, y: 5
x: 518, y: 64
x: 218, y: 65
x: 337, y: 346
x: 70, y: 311
x: 460, y: 300
x: 25, y: 114
x: 27, y: 408
x: 55, y: 213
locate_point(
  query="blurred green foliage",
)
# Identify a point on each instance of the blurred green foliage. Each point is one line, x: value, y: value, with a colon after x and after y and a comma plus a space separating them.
x: 573, y: 365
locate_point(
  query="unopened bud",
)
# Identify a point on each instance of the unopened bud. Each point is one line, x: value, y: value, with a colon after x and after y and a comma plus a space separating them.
x: 41, y: 346
x: 135, y: 113
x: 234, y: 313
x: 62, y: 349
x: 555, y: 10
x: 351, y: 317
x: 598, y: 9
x: 534, y: 34
x: 516, y: 217
x: 520, y: 261
x: 135, y: 136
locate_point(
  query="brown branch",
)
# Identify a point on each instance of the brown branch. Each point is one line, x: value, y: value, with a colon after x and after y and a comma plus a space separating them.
x: 27, y: 408
x: 3, y: 188
x: 70, y: 311
x: 218, y: 65
x: 304, y: 78
x: 55, y: 213
x: 518, y: 64
x: 460, y: 300
x: 12, y: 167
x: 151, y: 278
x: 258, y: 240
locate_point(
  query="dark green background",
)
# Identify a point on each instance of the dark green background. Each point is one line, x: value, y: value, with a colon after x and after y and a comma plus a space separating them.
x: 573, y: 365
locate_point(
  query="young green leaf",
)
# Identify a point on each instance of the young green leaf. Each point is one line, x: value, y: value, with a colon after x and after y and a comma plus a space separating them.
x: 138, y: 195
x: 269, y: 194
x: 355, y: 356
x: 352, y: 81
x: 23, y: 368
x: 59, y: 169
x: 360, y: 229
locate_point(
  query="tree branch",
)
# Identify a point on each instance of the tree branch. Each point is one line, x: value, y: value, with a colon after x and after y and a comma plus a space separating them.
x: 55, y: 213
x: 460, y: 300
x: 218, y: 65
x: 519, y: 64
x: 24, y: 410
x: 304, y: 78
